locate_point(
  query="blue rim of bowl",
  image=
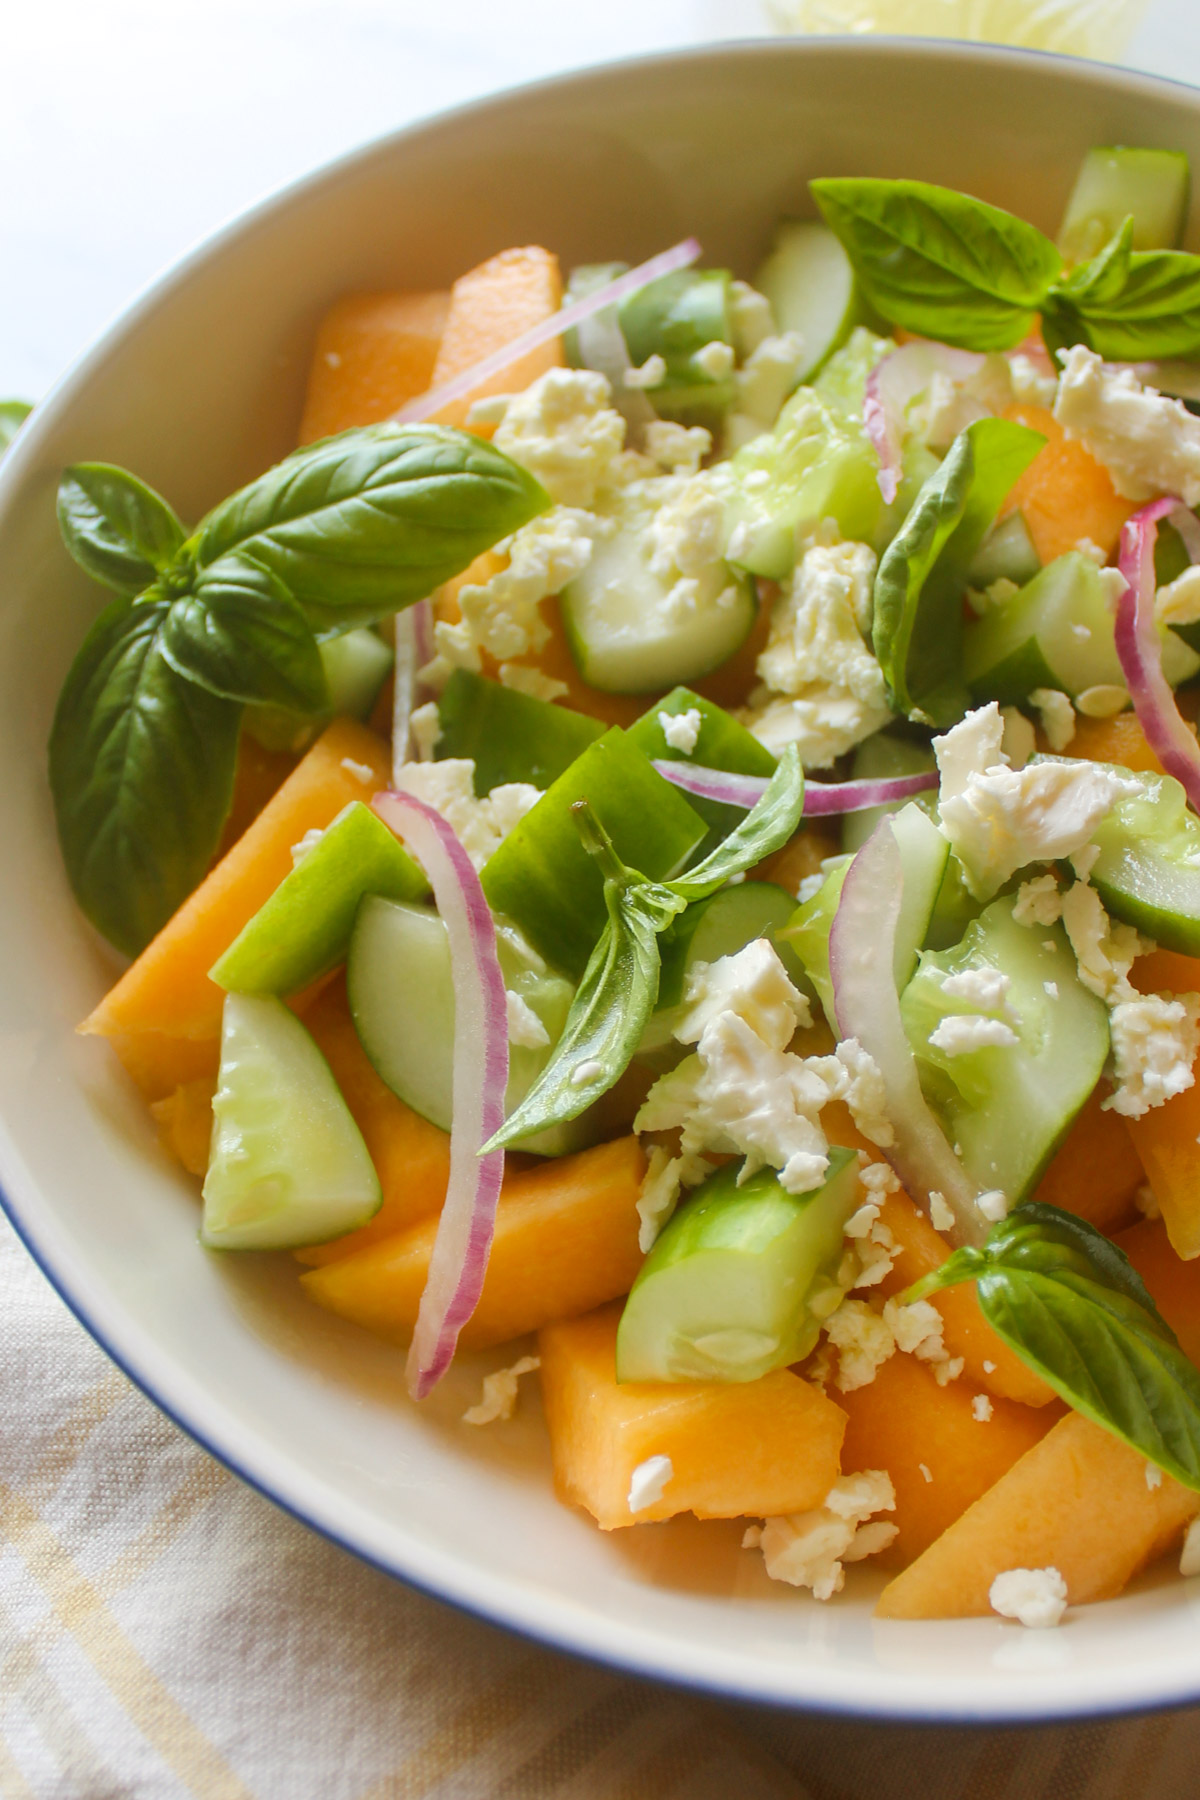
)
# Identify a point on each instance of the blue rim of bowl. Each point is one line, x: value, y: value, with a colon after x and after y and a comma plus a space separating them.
x: 557, y: 1636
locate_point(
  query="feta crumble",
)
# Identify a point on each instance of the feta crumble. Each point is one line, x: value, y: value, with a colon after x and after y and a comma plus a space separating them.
x: 659, y: 1194
x: 565, y: 432
x: 753, y: 983
x: 981, y: 1408
x: 765, y: 380
x: 941, y: 1217
x: 863, y: 1340
x: 361, y: 771
x: 1178, y: 603
x: 524, y: 679
x: 425, y: 729
x: 449, y: 787
x: 499, y: 1399
x: 680, y: 449
x: 1036, y: 1597
x: 715, y: 360
x: 993, y: 1205
x: 525, y: 1029
x: 926, y: 1471
x: 1149, y: 444
x: 648, y: 1482
x: 982, y: 987
x: 1155, y: 1040
x: 682, y: 730
x: 502, y: 615
x: 1154, y: 1476
x: 750, y: 317
x: 809, y: 1549
x: 918, y: 1331
x: 651, y: 374
x: 1038, y: 902
x: 960, y: 1034
x: 1057, y: 715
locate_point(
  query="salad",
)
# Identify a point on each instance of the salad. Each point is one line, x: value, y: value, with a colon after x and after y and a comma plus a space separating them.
x: 665, y: 836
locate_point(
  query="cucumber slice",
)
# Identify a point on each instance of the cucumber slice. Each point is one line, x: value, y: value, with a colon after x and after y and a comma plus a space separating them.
x: 807, y: 932
x: 630, y: 631
x: 288, y: 1165
x: 1006, y: 554
x: 1006, y: 1108
x: 723, y: 1294
x: 880, y: 758
x: 675, y: 317
x: 1148, y: 869
x: 810, y: 283
x: 303, y: 930
x: 543, y: 879
x: 586, y: 279
x: 719, y: 926
x: 401, y: 993
x: 509, y: 736
x: 721, y: 743
x: 1056, y: 632
x: 1114, y: 184
x: 356, y: 666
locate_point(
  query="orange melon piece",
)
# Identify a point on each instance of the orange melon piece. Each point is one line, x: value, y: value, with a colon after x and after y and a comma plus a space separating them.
x: 1166, y: 1138
x: 184, y: 1122
x: 166, y: 994
x: 1065, y: 494
x: 940, y: 1457
x: 259, y: 775
x: 757, y: 1448
x: 566, y: 1241
x: 489, y: 307
x: 411, y: 1156
x: 1118, y: 740
x: 1096, y: 1171
x: 1174, y: 1284
x: 373, y: 352
x: 800, y: 857
x: 1077, y: 1502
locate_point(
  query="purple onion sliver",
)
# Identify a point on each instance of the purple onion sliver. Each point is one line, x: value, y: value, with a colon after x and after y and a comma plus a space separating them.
x: 892, y: 384
x: 1139, y: 648
x: 680, y: 256
x: 820, y: 797
x: 464, y: 1235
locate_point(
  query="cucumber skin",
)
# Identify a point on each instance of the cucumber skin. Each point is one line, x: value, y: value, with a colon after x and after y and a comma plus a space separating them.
x: 797, y: 242
x: 1115, y: 181
x: 1145, y: 846
x: 743, y: 1253
x: 720, y: 926
x: 509, y: 736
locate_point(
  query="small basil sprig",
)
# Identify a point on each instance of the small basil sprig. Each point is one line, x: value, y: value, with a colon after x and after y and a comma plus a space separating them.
x: 917, y: 618
x: 341, y: 533
x: 617, y: 994
x: 1071, y: 1305
x: 947, y: 266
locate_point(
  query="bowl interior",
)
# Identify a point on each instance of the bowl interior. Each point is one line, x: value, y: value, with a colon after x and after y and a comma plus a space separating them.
x: 197, y: 389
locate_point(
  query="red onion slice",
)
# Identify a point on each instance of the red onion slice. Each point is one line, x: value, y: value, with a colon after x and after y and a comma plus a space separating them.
x: 1139, y: 647
x: 464, y: 1234
x: 680, y: 256
x: 820, y: 797
x: 862, y: 947
x: 893, y: 383
x: 414, y: 648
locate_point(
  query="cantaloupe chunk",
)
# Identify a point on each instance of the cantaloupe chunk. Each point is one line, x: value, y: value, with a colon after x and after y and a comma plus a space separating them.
x: 1096, y: 1172
x: 164, y: 1014
x: 940, y: 1457
x: 1065, y: 494
x: 1077, y: 1502
x: 184, y: 1122
x: 800, y: 857
x: 411, y: 1156
x: 1118, y: 740
x: 489, y: 307
x: 373, y: 352
x: 259, y: 775
x: 754, y: 1448
x: 566, y: 1241
x: 1174, y: 1284
x: 1166, y: 1137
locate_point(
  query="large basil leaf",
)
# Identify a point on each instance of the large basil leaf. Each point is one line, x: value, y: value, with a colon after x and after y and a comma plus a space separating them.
x: 360, y: 525
x: 13, y: 414
x: 1073, y: 1308
x: 241, y: 635
x: 141, y: 770
x: 117, y: 528
x: 917, y: 622
x: 940, y: 263
x: 1128, y: 305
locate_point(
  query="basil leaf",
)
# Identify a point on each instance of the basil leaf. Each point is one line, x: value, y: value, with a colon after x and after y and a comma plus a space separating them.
x: 917, y: 624
x: 117, y: 528
x: 1067, y: 1300
x: 359, y: 525
x: 241, y: 635
x: 1142, y: 305
x: 141, y: 770
x: 13, y: 414
x: 770, y: 823
x: 940, y: 263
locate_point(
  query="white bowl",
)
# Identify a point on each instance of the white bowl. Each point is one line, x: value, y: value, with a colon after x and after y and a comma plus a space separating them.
x: 198, y: 388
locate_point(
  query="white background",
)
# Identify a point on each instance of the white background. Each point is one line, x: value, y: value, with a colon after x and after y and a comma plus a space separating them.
x: 130, y: 129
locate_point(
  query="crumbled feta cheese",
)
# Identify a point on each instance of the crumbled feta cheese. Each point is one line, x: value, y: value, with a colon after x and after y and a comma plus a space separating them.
x: 1149, y: 444
x: 361, y: 771
x: 1146, y: 1201
x: 686, y: 534
x: 976, y: 743
x: 752, y: 983
x: 1050, y: 989
x: 565, y: 432
x: 1154, y: 1476
x: 989, y: 1368
x: 822, y: 686
x: 959, y: 1034
x: 1085, y: 547
x: 524, y: 679
x: 1038, y: 902
x: 1189, y: 1556
x: 502, y: 615
x: 333, y: 359
x: 808, y: 1549
x: 981, y: 1408
x: 877, y: 1251
x: 767, y: 377
x: 425, y: 728
x: 1033, y: 384
x: 859, y: 1224
x: 863, y: 1340
x: 525, y: 1029
x: 750, y: 317
x: 652, y: 374
x: 1154, y: 1046
x: 982, y: 987
x: 1104, y: 951
x: 879, y: 1178
x: 864, y: 1091
x: 680, y: 449
x: 659, y: 1196
x: 917, y: 1329
x: 810, y: 886
x: 1178, y: 603
x: 926, y: 1471
x: 715, y: 360
x: 500, y: 1392
x: 1104, y: 701
x: 449, y: 787
x: 648, y: 1482
x: 586, y: 1071
x: 309, y: 841
x: 1020, y: 739
x: 1057, y: 716
x: 1037, y: 1597
x: 941, y: 1217
x: 993, y: 1205
x: 682, y: 730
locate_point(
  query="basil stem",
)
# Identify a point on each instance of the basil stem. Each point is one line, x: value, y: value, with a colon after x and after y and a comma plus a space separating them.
x: 1071, y: 1305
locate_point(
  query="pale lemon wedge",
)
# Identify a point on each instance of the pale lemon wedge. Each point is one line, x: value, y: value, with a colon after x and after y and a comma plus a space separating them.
x: 1098, y: 28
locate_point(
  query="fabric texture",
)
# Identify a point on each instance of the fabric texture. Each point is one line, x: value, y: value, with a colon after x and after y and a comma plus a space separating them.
x: 165, y: 1632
